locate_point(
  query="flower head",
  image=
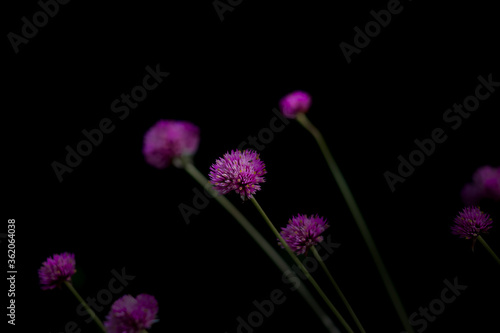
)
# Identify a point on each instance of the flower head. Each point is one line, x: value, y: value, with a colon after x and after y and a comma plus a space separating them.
x: 485, y: 185
x: 471, y: 222
x: 238, y: 171
x: 57, y: 269
x: 168, y: 139
x: 303, y: 231
x: 131, y: 315
x: 294, y: 103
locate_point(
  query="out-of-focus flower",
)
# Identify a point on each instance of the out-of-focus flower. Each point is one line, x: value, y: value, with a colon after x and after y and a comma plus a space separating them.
x: 485, y: 185
x: 131, y: 315
x: 294, y: 103
x: 170, y: 139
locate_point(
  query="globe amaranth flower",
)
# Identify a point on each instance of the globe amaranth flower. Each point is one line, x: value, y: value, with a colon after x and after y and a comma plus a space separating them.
x: 132, y: 315
x: 485, y: 185
x: 238, y: 171
x: 170, y: 139
x: 57, y: 269
x: 303, y: 231
x: 294, y: 103
x: 471, y: 222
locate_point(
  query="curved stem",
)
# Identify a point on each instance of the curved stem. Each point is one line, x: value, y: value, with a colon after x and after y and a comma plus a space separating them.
x: 488, y: 248
x: 85, y: 305
x: 337, y: 288
x: 301, y: 266
x: 358, y: 218
x: 260, y: 240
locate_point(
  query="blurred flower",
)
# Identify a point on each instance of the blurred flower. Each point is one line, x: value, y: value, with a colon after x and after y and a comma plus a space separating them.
x: 132, y: 315
x: 57, y: 269
x: 294, y: 103
x: 470, y: 223
x: 238, y: 171
x: 485, y: 185
x: 302, y: 232
x: 169, y: 139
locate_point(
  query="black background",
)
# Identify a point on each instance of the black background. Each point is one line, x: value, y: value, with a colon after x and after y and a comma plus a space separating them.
x: 114, y: 211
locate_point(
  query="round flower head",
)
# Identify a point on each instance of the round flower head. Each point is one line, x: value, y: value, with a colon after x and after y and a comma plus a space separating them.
x: 485, y: 185
x: 57, y: 269
x: 238, y: 171
x: 302, y: 232
x: 169, y: 139
x: 131, y: 315
x: 470, y: 223
x: 294, y: 103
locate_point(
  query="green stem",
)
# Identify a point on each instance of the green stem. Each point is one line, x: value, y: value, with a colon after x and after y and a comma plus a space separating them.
x: 259, y: 239
x: 358, y: 218
x: 488, y: 248
x: 337, y: 288
x: 301, y: 266
x: 85, y: 305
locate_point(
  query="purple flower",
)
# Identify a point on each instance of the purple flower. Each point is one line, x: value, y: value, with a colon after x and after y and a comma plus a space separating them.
x: 294, y: 103
x: 131, y: 315
x: 470, y: 223
x: 169, y: 139
x: 485, y: 185
x: 57, y: 269
x: 302, y: 232
x: 238, y: 171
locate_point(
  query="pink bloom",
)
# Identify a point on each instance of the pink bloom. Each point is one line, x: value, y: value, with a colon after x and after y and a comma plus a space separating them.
x: 170, y: 139
x: 294, y: 103
x: 303, y: 231
x: 57, y: 269
x: 132, y: 315
x: 471, y: 222
x: 241, y: 172
x: 485, y: 185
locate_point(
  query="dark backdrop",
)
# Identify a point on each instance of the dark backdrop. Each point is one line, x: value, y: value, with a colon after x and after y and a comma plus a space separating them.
x: 115, y: 212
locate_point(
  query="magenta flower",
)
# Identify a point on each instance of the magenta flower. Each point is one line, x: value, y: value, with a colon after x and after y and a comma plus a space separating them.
x: 57, y: 269
x: 485, y: 185
x: 238, y: 171
x: 170, y: 139
x: 132, y: 315
x: 470, y: 223
x: 294, y: 103
x: 302, y: 232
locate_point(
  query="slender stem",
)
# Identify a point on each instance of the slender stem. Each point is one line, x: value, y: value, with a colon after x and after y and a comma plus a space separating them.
x: 260, y: 240
x: 337, y: 288
x: 358, y: 218
x: 301, y: 266
x: 85, y: 305
x: 488, y: 248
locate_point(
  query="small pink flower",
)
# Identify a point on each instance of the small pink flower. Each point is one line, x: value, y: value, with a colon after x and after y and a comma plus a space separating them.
x: 238, y: 171
x: 170, y: 139
x: 471, y: 222
x: 485, y: 185
x: 295, y: 103
x: 303, y: 231
x: 57, y: 269
x: 132, y: 315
